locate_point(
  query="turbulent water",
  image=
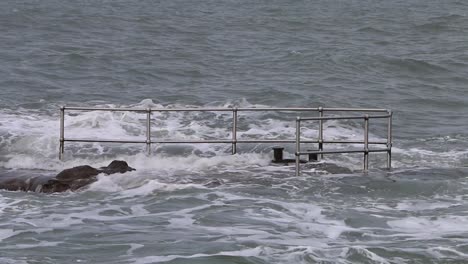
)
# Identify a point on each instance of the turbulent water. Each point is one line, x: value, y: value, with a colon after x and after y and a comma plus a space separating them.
x: 408, y: 56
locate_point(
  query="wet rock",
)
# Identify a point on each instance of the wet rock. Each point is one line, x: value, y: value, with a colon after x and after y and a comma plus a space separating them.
x: 80, y: 172
x: 116, y: 166
x: 68, y: 179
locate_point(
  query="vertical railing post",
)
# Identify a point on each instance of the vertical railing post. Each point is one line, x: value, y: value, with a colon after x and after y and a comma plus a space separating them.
x: 366, y: 143
x: 62, y: 132
x: 389, y: 140
x: 298, y: 145
x: 148, y: 131
x: 320, y: 141
x: 234, y: 131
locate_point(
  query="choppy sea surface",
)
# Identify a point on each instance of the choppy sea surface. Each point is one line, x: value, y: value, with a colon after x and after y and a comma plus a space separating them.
x: 408, y: 56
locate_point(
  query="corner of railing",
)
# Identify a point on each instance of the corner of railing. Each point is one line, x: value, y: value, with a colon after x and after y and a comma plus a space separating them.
x: 62, y: 132
x: 148, y: 131
x: 389, y: 138
x: 234, y: 130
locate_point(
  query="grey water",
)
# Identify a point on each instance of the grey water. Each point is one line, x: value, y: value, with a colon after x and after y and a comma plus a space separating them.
x: 408, y: 56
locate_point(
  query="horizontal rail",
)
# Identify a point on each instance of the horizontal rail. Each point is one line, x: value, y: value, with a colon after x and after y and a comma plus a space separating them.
x: 103, y: 140
x: 76, y: 108
x: 342, y: 117
x: 317, y: 109
x: 366, y: 141
x: 362, y: 110
x: 342, y: 151
x: 186, y: 109
x: 310, y: 141
x: 220, y: 141
x: 104, y: 109
x: 193, y: 141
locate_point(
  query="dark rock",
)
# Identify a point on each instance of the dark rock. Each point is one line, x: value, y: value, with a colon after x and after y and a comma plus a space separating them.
x: 117, y: 166
x: 68, y: 179
x: 54, y: 186
x: 75, y: 173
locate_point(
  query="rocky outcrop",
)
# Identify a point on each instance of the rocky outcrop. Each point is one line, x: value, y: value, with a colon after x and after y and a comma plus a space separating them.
x: 69, y: 179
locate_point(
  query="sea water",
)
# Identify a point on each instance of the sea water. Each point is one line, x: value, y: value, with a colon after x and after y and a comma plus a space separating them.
x: 408, y: 56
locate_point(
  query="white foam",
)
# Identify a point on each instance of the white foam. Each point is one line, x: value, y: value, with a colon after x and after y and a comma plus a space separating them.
x: 445, y: 252
x: 428, y: 154
x: 307, y: 218
x: 430, y: 228
x: 365, y: 252
x: 424, y: 205
x: 154, y: 186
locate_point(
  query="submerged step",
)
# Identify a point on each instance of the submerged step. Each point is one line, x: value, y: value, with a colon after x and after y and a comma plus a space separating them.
x: 279, y: 158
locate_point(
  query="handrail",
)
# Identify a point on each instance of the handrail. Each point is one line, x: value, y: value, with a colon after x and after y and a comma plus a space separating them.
x: 366, y: 141
x: 214, y: 109
x: 234, y: 140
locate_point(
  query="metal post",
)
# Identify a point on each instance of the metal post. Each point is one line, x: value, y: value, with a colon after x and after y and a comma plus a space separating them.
x: 234, y: 131
x: 366, y: 143
x: 62, y: 132
x: 389, y: 141
x: 298, y: 145
x: 320, y: 144
x: 148, y: 131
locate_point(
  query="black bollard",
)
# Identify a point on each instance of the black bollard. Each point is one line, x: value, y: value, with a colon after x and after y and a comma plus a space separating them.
x: 278, y: 154
x: 313, y: 156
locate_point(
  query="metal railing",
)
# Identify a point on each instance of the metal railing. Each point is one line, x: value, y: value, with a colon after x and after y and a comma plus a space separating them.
x: 365, y: 141
x: 234, y: 139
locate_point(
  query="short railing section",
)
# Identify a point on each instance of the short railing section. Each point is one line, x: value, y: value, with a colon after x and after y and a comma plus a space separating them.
x: 320, y: 141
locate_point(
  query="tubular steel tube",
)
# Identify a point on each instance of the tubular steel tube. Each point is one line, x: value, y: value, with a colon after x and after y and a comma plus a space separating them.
x: 320, y: 144
x: 230, y: 141
x: 62, y: 133
x: 192, y: 141
x: 274, y: 141
x: 278, y: 109
x: 148, y: 131
x: 366, y: 142
x: 298, y: 145
x: 106, y: 109
x: 389, y: 140
x: 191, y: 109
x: 355, y: 110
x: 338, y: 151
x: 103, y: 140
x: 309, y: 141
x: 354, y: 142
x: 234, y: 131
x: 341, y: 117
x: 225, y: 109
